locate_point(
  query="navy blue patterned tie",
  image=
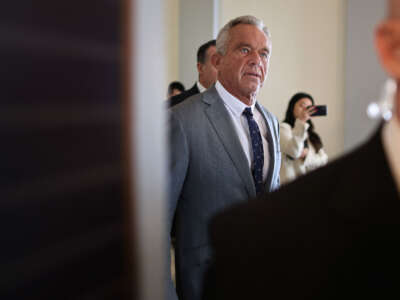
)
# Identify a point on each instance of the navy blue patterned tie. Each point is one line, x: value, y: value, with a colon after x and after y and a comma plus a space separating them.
x: 258, y: 151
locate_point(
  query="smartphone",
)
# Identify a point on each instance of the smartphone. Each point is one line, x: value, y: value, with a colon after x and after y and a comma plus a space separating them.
x: 321, y: 110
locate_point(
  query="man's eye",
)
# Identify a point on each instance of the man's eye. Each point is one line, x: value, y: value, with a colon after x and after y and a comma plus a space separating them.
x: 264, y: 54
x: 244, y: 50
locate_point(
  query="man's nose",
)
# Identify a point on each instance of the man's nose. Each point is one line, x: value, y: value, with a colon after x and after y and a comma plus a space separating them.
x: 255, y: 59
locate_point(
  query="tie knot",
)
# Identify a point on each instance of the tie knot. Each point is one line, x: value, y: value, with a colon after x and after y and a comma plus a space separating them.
x: 247, y: 112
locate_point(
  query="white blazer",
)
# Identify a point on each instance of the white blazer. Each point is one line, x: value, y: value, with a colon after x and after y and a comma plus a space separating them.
x: 292, y: 144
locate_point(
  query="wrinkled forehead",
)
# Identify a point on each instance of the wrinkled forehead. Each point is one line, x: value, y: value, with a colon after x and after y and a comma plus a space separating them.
x: 393, y: 9
x: 248, y: 33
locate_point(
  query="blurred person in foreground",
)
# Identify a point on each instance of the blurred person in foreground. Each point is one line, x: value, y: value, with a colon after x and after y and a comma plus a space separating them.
x: 333, y: 233
x: 175, y: 88
x: 224, y: 149
x: 301, y: 146
x: 206, y: 70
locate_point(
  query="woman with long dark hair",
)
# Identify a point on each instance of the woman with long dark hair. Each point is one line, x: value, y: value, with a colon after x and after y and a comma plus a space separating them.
x: 301, y: 146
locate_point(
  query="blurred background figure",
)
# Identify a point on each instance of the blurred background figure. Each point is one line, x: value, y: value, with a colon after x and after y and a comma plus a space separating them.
x: 206, y: 70
x: 301, y: 146
x: 175, y: 88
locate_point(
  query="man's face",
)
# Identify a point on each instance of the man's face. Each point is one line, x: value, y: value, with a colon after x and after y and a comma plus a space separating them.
x: 243, y: 68
x: 207, y: 72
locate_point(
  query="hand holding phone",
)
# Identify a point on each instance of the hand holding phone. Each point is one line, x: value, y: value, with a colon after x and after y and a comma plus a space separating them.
x: 320, y: 111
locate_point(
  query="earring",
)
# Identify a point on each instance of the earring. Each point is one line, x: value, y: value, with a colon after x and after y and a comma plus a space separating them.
x: 383, y: 108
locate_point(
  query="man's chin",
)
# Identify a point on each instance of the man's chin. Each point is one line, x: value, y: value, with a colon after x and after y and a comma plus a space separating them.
x: 252, y: 89
x: 250, y: 95
x: 251, y: 82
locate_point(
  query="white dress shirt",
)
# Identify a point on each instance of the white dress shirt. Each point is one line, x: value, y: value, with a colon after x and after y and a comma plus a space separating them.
x: 235, y: 109
x: 391, y: 144
x: 200, y: 87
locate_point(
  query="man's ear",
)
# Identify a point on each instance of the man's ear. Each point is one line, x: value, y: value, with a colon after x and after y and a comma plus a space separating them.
x: 199, y: 67
x: 387, y: 43
x: 216, y: 60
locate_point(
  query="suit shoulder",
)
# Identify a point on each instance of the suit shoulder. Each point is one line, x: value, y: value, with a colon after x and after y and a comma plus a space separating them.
x: 305, y: 195
x: 344, y: 186
x: 189, y: 106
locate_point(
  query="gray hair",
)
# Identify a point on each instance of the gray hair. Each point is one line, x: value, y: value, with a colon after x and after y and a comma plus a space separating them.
x: 223, y: 35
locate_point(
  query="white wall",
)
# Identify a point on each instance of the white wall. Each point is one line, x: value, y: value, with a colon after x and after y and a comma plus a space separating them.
x: 364, y: 76
x: 149, y: 145
x: 197, y: 25
x: 172, y: 58
x: 307, y: 55
x: 189, y: 24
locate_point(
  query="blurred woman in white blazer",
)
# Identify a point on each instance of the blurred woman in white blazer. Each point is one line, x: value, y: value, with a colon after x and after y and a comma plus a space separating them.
x: 302, y: 148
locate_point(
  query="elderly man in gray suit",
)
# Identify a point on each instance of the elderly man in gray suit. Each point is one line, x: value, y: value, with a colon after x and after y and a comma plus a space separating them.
x: 224, y: 150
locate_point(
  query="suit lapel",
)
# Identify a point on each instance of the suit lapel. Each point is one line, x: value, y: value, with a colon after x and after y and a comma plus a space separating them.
x: 271, y: 148
x: 223, y: 126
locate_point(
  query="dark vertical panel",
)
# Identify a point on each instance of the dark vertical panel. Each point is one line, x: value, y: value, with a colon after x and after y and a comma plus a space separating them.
x: 131, y: 238
x: 61, y: 127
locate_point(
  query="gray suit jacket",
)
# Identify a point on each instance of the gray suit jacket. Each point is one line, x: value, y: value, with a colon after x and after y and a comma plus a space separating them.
x: 209, y: 172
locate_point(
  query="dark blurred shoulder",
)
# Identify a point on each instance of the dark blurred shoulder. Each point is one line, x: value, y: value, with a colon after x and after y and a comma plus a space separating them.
x: 183, y: 96
x: 348, y: 177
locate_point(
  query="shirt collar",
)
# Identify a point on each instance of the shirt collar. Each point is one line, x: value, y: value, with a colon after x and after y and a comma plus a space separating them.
x: 236, y: 106
x: 391, y: 144
x: 200, y: 87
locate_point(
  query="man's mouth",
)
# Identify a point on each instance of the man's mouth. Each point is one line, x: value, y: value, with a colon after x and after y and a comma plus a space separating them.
x: 252, y: 74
